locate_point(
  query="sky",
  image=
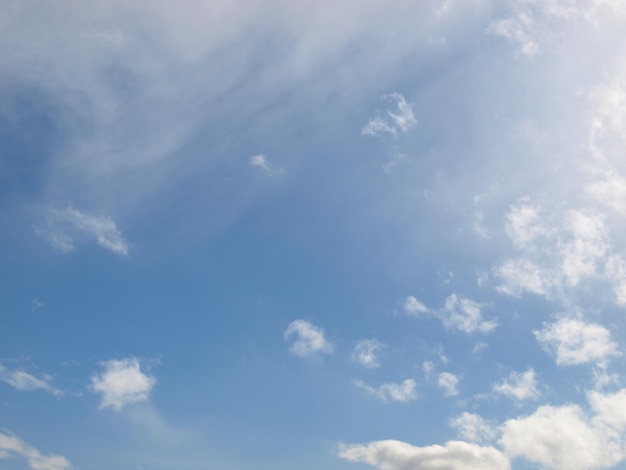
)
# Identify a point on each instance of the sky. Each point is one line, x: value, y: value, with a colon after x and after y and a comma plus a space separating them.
x: 254, y: 235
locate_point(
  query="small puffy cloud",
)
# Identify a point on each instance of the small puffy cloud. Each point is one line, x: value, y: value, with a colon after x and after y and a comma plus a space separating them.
x: 465, y: 315
x: 473, y: 428
x: 63, y: 226
x: 397, y: 455
x: 399, y: 120
x: 23, y: 381
x: 414, y: 307
x: 366, y: 352
x: 519, y: 385
x: 522, y: 275
x: 121, y: 383
x: 428, y: 367
x: 572, y: 342
x: 307, y: 340
x: 261, y: 162
x: 392, y: 392
x: 523, y: 225
x: 448, y: 383
x: 11, y: 445
x: 566, y: 437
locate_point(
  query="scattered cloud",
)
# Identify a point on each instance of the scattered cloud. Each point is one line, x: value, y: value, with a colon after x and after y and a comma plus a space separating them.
x: 572, y: 342
x: 458, y: 313
x: 121, y: 383
x: 63, y: 226
x: 366, y: 352
x: 261, y: 162
x: 400, y: 120
x: 392, y: 392
x: 23, y: 381
x: 414, y: 307
x: 473, y: 428
x: 519, y: 386
x: 448, y: 383
x: 308, y: 340
x: 428, y: 367
x: 397, y: 455
x: 465, y: 315
x: 566, y: 437
x: 11, y: 445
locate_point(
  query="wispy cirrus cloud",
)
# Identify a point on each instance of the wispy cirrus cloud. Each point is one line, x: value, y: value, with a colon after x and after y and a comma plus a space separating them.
x: 25, y: 382
x: 11, y: 445
x: 401, y: 392
x: 121, y: 383
x: 261, y: 162
x: 64, y: 226
x: 307, y: 340
x: 399, y: 120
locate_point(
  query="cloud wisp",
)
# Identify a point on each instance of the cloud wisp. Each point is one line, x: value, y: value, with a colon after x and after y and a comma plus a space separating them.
x: 11, y: 445
x: 401, y: 392
x: 25, y: 382
x: 367, y: 353
x: 64, y: 226
x: 519, y: 386
x: 400, y: 120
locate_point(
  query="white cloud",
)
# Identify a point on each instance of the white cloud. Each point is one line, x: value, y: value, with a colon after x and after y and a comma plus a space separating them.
x: 11, y: 445
x: 309, y: 340
x: 465, y: 315
x: 366, y: 352
x: 572, y: 341
x: 587, y: 246
x: 519, y: 385
x: 428, y: 367
x: 401, y: 119
x: 523, y: 225
x: 260, y: 161
x: 23, y: 381
x: 397, y: 455
x: 121, y: 383
x: 519, y: 275
x: 63, y: 226
x: 566, y: 438
x: 449, y: 383
x: 392, y: 392
x: 414, y: 307
x: 473, y: 428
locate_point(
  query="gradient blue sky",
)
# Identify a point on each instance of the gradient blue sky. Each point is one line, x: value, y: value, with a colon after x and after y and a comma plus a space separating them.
x: 299, y: 235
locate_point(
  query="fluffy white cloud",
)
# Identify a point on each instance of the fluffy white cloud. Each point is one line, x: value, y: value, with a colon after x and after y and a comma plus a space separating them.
x: 448, y: 383
x: 397, y: 455
x: 566, y: 437
x: 523, y: 225
x: 121, y: 383
x: 63, y: 226
x: 308, y: 340
x: 519, y: 385
x: 401, y: 119
x: 366, y: 352
x: 473, y: 428
x: 572, y: 341
x: 23, y: 381
x: 392, y: 392
x: 11, y: 445
x: 260, y: 161
x: 464, y: 314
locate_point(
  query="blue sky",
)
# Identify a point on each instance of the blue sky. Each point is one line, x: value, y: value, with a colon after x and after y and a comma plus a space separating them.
x: 276, y: 235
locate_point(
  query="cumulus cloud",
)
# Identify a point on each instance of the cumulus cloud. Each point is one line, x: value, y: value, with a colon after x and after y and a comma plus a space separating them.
x: 567, y: 437
x: 572, y: 342
x: 23, y: 381
x: 458, y: 313
x: 63, y: 226
x: 261, y: 162
x: 449, y: 383
x: 366, y: 352
x: 399, y: 120
x: 121, y: 382
x: 11, y: 445
x: 307, y: 340
x: 519, y: 386
x: 465, y: 315
x: 392, y: 392
x: 473, y: 428
x: 397, y: 455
